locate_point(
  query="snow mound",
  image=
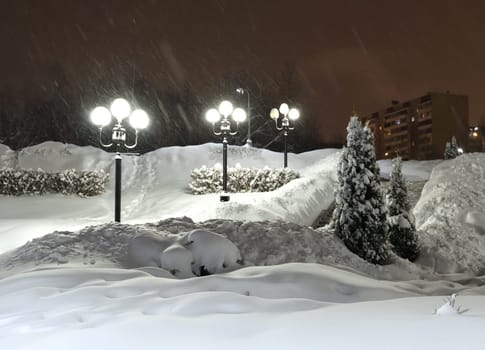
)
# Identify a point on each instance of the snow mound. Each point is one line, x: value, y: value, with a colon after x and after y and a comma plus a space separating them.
x: 184, y: 254
x: 186, y: 249
x: 7, y: 157
x: 55, y: 157
x: 449, y: 216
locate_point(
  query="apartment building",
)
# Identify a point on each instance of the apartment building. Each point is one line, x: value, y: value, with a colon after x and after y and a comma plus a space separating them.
x: 419, y: 128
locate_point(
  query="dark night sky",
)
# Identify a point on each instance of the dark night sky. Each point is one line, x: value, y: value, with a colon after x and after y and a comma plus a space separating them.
x: 347, y: 53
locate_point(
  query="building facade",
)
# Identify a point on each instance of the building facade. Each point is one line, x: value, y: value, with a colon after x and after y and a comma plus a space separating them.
x: 419, y: 128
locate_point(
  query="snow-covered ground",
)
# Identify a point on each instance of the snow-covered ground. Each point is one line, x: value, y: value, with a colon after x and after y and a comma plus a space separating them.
x: 275, y: 283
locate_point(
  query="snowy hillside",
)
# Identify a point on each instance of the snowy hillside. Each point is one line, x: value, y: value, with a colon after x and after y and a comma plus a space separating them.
x: 155, y: 186
x: 275, y: 283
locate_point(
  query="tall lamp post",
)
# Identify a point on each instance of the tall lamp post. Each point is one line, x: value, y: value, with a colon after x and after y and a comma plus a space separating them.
x: 101, y: 116
x: 285, y: 125
x: 222, y: 125
x: 242, y: 91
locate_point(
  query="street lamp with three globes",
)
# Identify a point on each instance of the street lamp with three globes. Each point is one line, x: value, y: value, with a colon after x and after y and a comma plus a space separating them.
x: 289, y: 116
x: 101, y: 116
x: 222, y: 125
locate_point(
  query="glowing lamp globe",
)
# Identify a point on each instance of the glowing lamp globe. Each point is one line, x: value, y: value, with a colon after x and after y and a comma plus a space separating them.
x: 239, y: 115
x: 274, y: 114
x: 294, y: 114
x: 226, y: 108
x: 284, y: 109
x: 101, y: 116
x: 139, y: 119
x: 120, y: 108
x: 212, y: 116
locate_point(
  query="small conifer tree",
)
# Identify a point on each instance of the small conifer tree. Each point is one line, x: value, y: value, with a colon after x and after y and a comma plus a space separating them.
x: 402, y: 230
x: 359, y: 217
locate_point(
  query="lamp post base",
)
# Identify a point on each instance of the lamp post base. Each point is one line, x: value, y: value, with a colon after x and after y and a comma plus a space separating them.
x: 224, y: 197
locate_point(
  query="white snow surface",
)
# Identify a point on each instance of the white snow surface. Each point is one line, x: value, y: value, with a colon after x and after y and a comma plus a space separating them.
x: 72, y: 279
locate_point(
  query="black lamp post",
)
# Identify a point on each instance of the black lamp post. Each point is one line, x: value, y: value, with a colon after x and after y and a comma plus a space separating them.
x: 242, y: 91
x: 221, y: 125
x: 102, y: 116
x: 287, y: 114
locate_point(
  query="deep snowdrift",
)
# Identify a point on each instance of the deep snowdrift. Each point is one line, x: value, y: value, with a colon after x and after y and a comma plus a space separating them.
x: 450, y: 216
x: 155, y: 186
x: 122, y: 285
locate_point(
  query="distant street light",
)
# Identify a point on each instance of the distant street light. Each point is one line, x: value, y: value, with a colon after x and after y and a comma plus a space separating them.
x: 102, y: 116
x: 242, y: 91
x: 288, y: 114
x: 224, y: 128
x: 477, y: 133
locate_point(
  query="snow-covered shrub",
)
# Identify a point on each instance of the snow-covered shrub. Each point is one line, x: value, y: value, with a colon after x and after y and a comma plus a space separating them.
x: 359, y: 218
x: 82, y: 183
x: 209, y: 180
x: 449, y: 308
x: 16, y: 182
x: 212, y: 252
x: 178, y: 260
x: 197, y: 252
x: 402, y: 230
x: 451, y: 149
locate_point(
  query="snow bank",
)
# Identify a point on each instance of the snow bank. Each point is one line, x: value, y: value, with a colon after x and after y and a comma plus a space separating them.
x: 449, y: 216
x: 7, y: 157
x: 185, y: 248
x: 155, y: 186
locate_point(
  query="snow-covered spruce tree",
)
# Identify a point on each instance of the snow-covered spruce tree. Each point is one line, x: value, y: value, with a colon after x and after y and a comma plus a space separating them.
x: 451, y: 149
x: 402, y: 230
x: 359, y: 218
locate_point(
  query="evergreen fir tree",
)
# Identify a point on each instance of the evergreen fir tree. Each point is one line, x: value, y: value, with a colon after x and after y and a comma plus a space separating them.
x: 359, y: 217
x: 451, y: 149
x: 402, y: 230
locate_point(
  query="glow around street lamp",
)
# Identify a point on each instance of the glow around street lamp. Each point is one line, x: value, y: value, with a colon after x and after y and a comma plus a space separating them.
x: 139, y: 119
x: 274, y: 114
x: 120, y: 109
x: 239, y: 115
x: 226, y: 108
x: 101, y: 116
x: 212, y: 116
x: 284, y: 109
x: 294, y: 114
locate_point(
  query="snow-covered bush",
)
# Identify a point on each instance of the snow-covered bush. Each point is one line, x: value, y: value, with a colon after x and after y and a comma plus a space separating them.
x: 359, y: 218
x: 451, y: 149
x: 16, y: 182
x: 449, y: 308
x: 402, y: 230
x: 197, y: 252
x: 209, y: 180
x: 212, y: 252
